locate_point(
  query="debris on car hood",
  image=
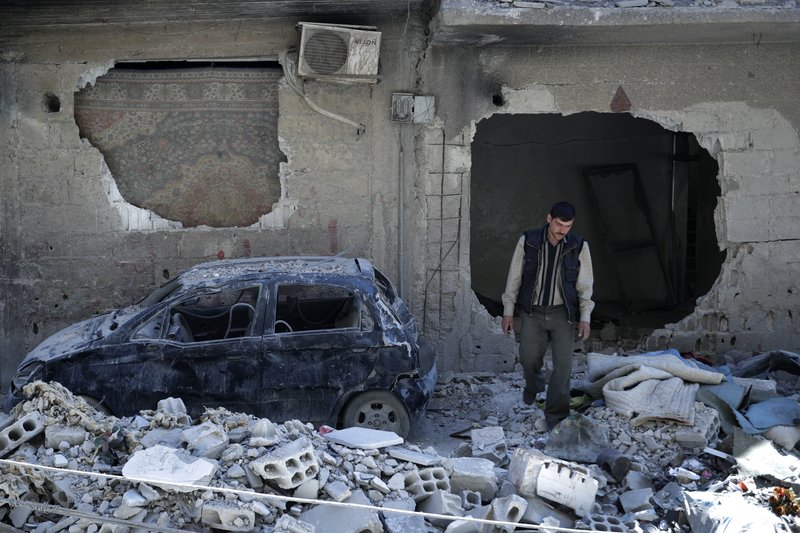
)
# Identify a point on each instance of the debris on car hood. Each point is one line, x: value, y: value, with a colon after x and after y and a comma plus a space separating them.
x: 67, y: 467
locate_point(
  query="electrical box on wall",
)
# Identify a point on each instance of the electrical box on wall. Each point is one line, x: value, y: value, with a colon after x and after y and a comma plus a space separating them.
x: 413, y: 108
x: 338, y: 52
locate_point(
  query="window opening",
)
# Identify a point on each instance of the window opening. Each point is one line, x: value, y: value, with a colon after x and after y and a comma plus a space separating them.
x: 319, y: 307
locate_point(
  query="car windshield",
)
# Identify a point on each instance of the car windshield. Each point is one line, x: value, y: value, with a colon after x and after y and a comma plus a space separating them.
x: 161, y: 293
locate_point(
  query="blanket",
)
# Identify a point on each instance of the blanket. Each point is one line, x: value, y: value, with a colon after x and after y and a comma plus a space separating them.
x: 656, y: 386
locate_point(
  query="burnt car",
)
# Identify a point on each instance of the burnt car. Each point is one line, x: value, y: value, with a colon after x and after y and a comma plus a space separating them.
x: 319, y: 339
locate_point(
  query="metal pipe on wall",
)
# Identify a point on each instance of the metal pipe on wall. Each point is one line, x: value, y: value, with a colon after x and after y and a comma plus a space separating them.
x: 401, y: 221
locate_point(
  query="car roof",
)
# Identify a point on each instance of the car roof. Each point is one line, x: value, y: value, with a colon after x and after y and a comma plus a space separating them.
x: 250, y: 267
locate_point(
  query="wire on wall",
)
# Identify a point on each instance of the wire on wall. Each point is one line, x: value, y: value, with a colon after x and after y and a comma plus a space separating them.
x: 290, y: 72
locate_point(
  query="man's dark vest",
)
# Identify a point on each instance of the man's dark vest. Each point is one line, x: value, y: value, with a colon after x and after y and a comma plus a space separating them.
x: 570, y: 265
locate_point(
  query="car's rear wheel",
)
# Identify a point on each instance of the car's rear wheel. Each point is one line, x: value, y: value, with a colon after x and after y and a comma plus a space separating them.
x: 377, y: 410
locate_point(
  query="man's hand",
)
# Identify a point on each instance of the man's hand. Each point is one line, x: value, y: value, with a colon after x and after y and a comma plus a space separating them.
x: 508, y: 324
x: 584, y: 329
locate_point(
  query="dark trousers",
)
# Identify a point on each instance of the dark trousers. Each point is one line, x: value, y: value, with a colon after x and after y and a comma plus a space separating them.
x: 548, y: 325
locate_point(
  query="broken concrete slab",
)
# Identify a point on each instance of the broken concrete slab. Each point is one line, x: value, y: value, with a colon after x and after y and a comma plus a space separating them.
x: 332, y: 519
x: 578, y: 438
x: 56, y: 434
x: 205, y: 440
x: 169, y: 468
x: 537, y: 510
x: 422, y: 459
x: 756, y: 456
x: 473, y: 473
x: 365, y: 438
x: 490, y: 443
x: 729, y: 512
x: 636, y: 500
x: 401, y: 522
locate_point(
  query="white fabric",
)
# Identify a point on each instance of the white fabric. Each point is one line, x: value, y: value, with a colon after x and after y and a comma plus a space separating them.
x: 647, y: 387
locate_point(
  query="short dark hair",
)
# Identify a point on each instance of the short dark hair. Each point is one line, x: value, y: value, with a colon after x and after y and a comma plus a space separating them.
x: 563, y: 210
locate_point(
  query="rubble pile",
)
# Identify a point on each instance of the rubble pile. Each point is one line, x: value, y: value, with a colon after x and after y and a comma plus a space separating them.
x: 481, y: 461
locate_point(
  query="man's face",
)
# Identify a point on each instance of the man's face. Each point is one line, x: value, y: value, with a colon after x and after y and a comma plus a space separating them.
x: 557, y: 228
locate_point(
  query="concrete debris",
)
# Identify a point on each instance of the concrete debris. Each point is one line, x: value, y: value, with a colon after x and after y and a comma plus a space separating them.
x: 363, y: 438
x: 229, y: 471
x: 169, y: 468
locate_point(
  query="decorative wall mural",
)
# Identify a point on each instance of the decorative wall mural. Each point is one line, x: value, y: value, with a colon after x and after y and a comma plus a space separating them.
x: 195, y: 145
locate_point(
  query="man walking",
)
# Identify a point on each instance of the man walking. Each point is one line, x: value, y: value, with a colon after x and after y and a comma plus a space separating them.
x: 550, y: 278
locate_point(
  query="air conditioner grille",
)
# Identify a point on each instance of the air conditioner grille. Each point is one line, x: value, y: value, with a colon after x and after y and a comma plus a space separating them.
x: 325, y: 52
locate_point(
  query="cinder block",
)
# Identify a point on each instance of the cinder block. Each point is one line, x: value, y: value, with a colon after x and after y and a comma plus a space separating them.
x: 442, y: 503
x: 470, y: 499
x: 474, y: 473
x: 21, y: 431
x: 506, y: 509
x: 227, y: 516
x: 421, y: 483
x: 598, y: 522
x: 704, y: 432
x: 288, y: 466
x: 569, y: 485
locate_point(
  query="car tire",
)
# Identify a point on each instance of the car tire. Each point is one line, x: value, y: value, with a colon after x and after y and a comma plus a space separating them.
x: 377, y: 410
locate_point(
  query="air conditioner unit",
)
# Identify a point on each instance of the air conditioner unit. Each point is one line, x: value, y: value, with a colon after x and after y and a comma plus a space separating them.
x: 339, y: 53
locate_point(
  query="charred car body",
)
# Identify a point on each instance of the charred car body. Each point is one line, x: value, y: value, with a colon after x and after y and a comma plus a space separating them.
x: 319, y: 339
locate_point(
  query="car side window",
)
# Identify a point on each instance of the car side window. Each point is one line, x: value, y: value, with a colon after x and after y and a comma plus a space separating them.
x: 214, y: 315
x: 307, y: 307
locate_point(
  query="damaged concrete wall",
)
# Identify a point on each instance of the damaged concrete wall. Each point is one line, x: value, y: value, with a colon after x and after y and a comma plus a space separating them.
x: 739, y: 100
x: 71, y: 244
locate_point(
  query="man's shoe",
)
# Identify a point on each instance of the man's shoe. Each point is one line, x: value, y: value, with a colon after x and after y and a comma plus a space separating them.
x: 528, y: 396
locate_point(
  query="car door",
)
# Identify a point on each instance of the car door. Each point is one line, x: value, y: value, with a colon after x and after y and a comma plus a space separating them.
x: 203, y: 348
x: 321, y: 341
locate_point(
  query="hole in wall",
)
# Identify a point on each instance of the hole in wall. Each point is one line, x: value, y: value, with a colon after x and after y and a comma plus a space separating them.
x: 644, y: 196
x: 52, y: 103
x: 193, y: 142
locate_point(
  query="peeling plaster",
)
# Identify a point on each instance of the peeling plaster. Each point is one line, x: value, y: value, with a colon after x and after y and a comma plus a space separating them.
x: 133, y: 218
